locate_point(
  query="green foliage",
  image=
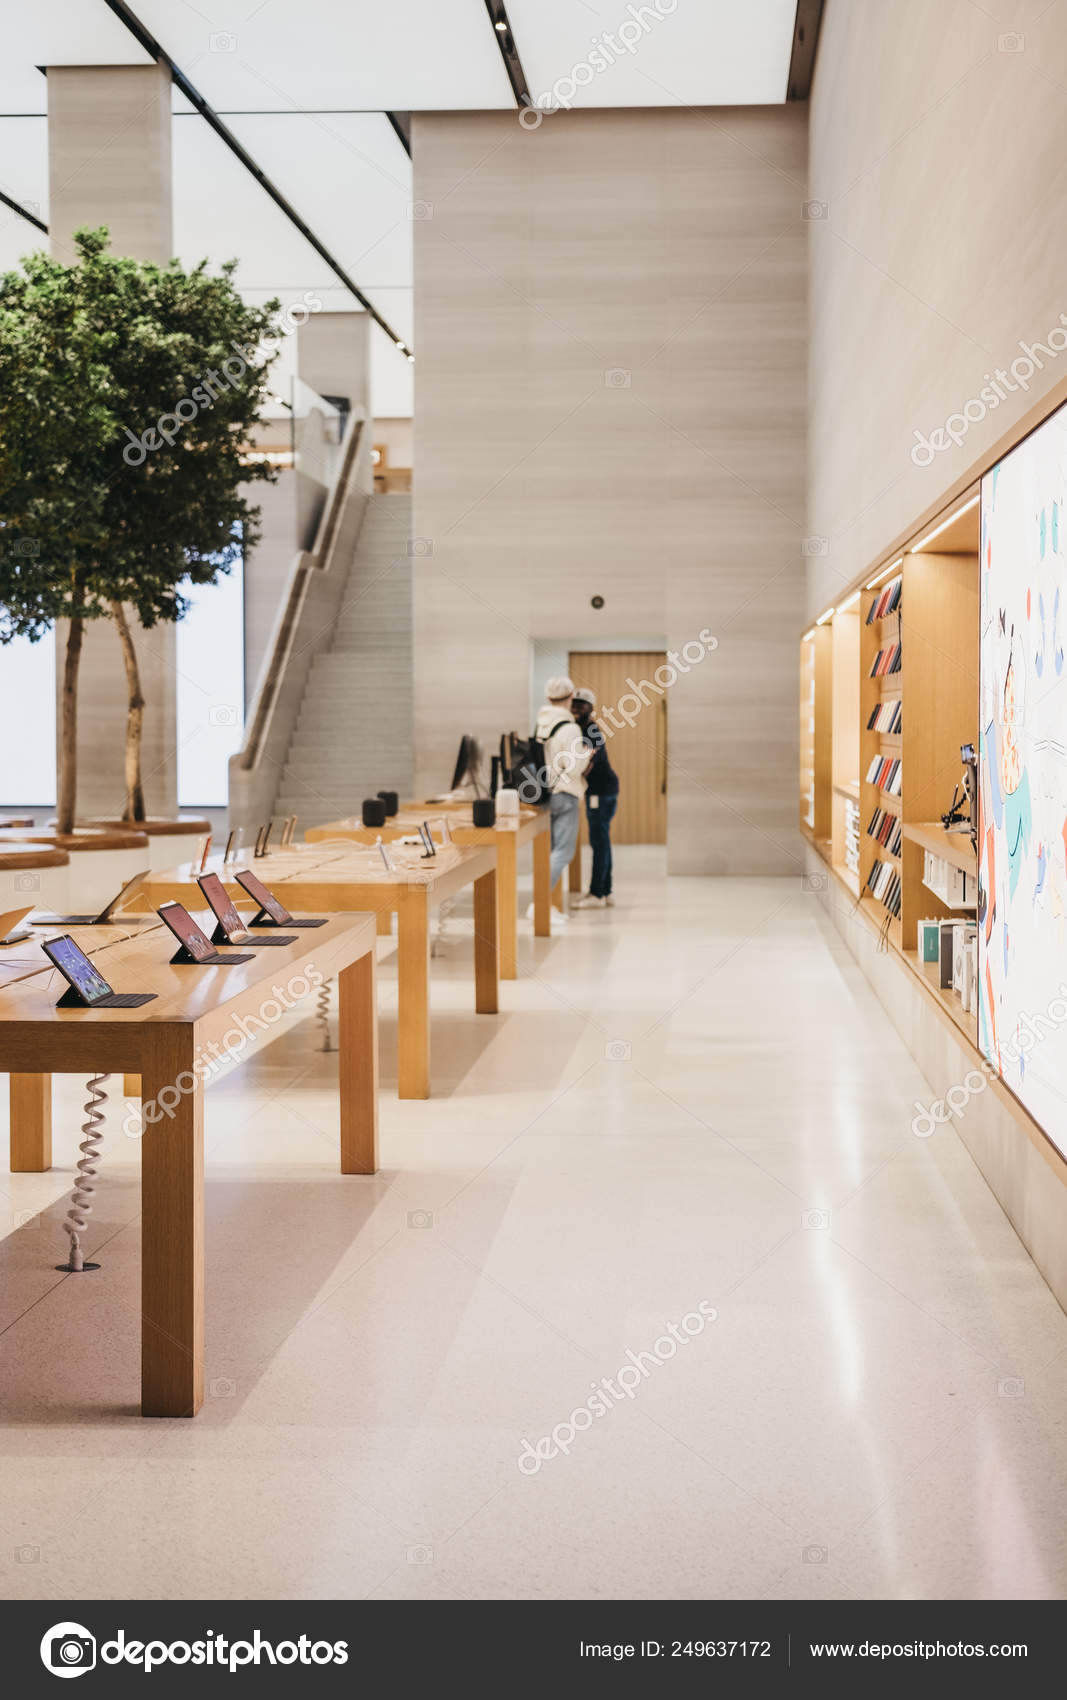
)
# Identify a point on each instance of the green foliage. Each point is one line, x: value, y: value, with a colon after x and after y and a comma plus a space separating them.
x: 94, y: 357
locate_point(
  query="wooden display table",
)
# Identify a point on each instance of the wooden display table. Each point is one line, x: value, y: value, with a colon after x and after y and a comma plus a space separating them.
x: 170, y: 839
x: 196, y: 1013
x: 30, y: 1119
x: 534, y: 826
x: 31, y: 873
x: 316, y: 879
x: 101, y: 859
x: 17, y: 854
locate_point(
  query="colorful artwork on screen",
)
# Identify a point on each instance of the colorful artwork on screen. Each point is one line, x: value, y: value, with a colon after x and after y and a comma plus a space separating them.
x: 1022, y: 864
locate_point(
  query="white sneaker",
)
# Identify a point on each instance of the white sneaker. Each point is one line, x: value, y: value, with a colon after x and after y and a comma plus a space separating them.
x: 557, y: 915
x: 589, y: 902
x: 610, y: 901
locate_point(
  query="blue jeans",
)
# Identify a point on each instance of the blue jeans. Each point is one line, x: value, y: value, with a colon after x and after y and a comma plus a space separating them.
x: 599, y: 820
x: 564, y: 811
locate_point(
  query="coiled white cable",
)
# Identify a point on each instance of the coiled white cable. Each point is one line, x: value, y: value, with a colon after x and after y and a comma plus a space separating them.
x: 322, y: 1010
x: 81, y: 1199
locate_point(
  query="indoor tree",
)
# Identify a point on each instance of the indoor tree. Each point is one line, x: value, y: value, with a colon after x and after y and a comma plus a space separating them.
x: 128, y: 392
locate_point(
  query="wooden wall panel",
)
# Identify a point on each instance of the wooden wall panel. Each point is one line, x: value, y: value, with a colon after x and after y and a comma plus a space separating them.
x: 638, y: 749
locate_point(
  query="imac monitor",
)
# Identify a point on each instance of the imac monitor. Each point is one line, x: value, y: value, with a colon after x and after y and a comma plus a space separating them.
x: 88, y: 988
x: 463, y: 761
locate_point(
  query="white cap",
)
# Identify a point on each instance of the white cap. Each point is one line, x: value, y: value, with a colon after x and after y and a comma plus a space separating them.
x: 559, y: 690
x: 584, y: 694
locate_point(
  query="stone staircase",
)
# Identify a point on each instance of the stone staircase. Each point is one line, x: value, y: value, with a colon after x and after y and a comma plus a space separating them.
x: 354, y: 734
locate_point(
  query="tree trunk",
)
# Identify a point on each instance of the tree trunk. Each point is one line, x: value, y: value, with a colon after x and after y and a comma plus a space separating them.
x: 66, y: 805
x: 134, y: 809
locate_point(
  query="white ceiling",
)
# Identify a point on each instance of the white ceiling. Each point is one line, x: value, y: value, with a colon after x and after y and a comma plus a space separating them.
x: 305, y: 87
x: 702, y: 53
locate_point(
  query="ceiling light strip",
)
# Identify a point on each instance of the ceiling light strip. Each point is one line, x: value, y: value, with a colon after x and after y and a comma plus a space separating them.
x: 152, y: 47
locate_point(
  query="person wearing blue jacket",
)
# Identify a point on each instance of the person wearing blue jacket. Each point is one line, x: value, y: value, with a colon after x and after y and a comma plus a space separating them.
x: 601, y: 800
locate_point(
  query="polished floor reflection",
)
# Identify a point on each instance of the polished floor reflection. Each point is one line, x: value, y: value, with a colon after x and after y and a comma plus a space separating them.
x: 690, y: 1100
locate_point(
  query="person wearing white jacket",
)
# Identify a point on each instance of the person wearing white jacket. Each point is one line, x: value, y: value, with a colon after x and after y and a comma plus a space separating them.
x: 566, y: 758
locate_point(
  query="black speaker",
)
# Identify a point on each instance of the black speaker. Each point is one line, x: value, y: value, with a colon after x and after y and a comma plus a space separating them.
x: 483, y: 810
x: 391, y: 799
x: 373, y: 811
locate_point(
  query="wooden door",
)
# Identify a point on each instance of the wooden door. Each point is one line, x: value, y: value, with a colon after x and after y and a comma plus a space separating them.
x: 636, y: 732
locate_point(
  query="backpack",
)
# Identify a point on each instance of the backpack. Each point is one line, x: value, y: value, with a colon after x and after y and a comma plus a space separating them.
x: 529, y: 768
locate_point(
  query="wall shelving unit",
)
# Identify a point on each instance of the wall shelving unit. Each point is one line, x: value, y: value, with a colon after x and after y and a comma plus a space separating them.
x: 934, y: 614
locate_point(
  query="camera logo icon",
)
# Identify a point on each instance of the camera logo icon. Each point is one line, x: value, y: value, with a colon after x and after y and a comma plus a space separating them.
x: 68, y: 1649
x: 618, y: 1050
x: 27, y: 882
x: 617, y: 378
x: 222, y: 42
x: 222, y: 714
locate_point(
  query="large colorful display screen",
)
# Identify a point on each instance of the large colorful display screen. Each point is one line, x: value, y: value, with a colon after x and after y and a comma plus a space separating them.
x: 1022, y: 867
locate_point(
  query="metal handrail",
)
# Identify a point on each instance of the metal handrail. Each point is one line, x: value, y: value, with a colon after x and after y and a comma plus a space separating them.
x: 319, y: 559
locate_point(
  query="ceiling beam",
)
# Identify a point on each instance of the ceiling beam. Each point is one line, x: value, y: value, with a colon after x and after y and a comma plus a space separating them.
x: 16, y: 207
x: 805, y: 43
x: 400, y: 123
x: 505, y: 40
x: 152, y: 47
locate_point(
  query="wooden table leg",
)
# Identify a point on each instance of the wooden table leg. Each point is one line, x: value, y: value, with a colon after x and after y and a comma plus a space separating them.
x: 486, y: 991
x: 574, y: 873
x: 413, y: 995
x: 385, y: 923
x: 172, y: 1226
x: 30, y: 1098
x: 542, y: 873
x: 507, y: 897
x: 357, y: 1042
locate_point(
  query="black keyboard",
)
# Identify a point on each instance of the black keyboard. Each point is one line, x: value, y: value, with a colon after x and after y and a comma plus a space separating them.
x: 124, y: 1000
x: 292, y: 923
x: 228, y: 961
x: 260, y: 944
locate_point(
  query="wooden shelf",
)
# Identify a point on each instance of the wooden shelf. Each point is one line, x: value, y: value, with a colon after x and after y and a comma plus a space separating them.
x: 929, y: 974
x: 952, y: 847
x: 851, y: 789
